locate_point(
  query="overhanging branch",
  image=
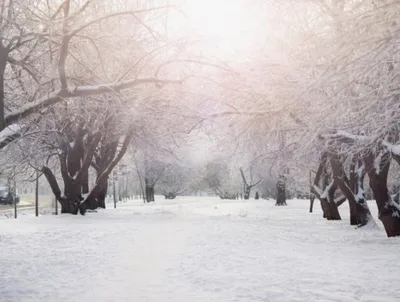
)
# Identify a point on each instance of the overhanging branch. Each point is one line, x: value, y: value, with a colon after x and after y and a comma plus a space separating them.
x: 80, y: 91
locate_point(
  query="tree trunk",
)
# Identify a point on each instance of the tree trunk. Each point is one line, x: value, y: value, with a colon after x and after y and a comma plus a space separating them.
x: 352, y: 189
x: 101, y: 196
x: 326, y: 195
x: 332, y: 206
x: 70, y: 206
x: 85, y: 182
x: 330, y: 210
x: 281, y: 191
x: 150, y: 194
x: 3, y: 62
x: 71, y: 202
x: 354, y: 220
x: 149, y: 190
x: 312, y: 198
x: 91, y: 203
x: 325, y: 208
x: 388, y: 212
x: 247, y: 190
x: 97, y: 198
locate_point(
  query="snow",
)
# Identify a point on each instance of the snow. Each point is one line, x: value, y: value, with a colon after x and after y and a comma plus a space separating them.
x: 9, y: 131
x: 317, y: 190
x: 394, y: 149
x: 352, y: 136
x: 326, y: 191
x: 360, y: 195
x: 197, y: 249
x: 49, y: 99
x: 344, y: 134
x: 393, y: 203
x: 337, y: 199
x: 377, y: 163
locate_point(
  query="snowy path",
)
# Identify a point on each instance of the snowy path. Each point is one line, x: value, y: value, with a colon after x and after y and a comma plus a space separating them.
x: 204, y: 250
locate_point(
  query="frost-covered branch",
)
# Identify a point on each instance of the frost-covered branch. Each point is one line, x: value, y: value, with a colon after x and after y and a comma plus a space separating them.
x: 80, y: 91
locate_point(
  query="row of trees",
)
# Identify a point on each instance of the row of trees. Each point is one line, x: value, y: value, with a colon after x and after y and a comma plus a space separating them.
x: 356, y: 81
x: 326, y: 101
x: 86, y: 82
x: 81, y: 83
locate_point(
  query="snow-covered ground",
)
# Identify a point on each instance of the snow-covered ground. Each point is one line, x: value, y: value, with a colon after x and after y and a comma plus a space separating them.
x: 197, y: 249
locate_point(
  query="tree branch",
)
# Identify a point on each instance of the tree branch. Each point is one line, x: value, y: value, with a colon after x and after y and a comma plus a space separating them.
x: 80, y: 91
x: 243, y: 177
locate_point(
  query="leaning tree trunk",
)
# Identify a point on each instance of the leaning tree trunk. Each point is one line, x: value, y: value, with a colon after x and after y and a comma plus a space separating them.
x: 97, y: 198
x: 101, y: 196
x: 388, y: 211
x: 329, y: 207
x: 333, y: 208
x: 246, y: 186
x: 70, y: 202
x: 352, y: 189
x: 354, y: 213
x: 281, y: 191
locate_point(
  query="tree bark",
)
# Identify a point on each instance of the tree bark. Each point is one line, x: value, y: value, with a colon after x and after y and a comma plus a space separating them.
x: 329, y: 208
x: 149, y: 190
x: 333, y: 208
x: 354, y: 219
x: 247, y: 190
x: 281, y: 191
x: 246, y: 186
x: 97, y: 198
x: 85, y: 182
x: 71, y: 201
x: 101, y: 196
x: 312, y: 198
x: 353, y: 190
x: 3, y: 62
x: 388, y: 212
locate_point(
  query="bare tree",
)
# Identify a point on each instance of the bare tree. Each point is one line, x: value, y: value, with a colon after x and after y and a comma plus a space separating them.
x: 174, y: 181
x: 248, y: 185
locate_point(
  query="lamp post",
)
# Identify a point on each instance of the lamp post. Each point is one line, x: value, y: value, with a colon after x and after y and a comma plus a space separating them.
x: 15, y: 199
x: 37, y: 194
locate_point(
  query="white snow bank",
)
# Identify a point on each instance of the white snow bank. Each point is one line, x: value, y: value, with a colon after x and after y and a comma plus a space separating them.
x: 197, y: 249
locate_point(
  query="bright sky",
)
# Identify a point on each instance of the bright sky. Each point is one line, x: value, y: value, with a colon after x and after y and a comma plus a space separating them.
x: 231, y: 28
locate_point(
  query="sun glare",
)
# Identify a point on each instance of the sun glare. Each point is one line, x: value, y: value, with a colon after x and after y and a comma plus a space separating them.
x: 219, y: 19
x: 227, y: 24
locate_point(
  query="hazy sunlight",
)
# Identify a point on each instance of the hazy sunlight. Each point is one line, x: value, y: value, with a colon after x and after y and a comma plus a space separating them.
x: 227, y: 25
